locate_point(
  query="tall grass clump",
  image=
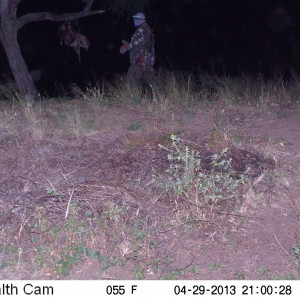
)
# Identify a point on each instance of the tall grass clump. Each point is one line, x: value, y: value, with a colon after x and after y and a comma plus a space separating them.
x: 93, y: 94
x: 169, y: 90
x: 118, y: 91
x: 8, y: 91
x: 122, y: 92
x: 177, y: 89
x: 7, y: 117
x: 23, y: 115
x: 253, y: 90
x: 32, y: 112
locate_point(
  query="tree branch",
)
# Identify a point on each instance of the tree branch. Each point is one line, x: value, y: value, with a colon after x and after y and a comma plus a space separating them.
x: 47, y: 16
x: 89, y: 4
x: 13, y: 6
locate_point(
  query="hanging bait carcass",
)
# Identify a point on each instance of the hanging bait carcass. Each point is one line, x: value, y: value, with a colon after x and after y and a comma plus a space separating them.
x: 72, y: 38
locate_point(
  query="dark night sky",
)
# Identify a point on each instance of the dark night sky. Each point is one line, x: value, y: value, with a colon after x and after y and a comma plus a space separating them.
x: 231, y: 36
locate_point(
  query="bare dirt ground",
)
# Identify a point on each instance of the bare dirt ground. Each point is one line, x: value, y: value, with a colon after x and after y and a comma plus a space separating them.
x: 86, y: 206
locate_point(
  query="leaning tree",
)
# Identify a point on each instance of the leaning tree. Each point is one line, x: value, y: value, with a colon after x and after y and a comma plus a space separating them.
x: 10, y: 23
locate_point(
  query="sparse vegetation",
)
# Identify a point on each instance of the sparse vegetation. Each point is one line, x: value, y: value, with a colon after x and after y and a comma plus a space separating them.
x: 297, y: 252
x: 188, y: 177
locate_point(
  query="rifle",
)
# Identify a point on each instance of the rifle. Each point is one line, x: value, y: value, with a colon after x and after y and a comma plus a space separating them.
x: 141, y: 59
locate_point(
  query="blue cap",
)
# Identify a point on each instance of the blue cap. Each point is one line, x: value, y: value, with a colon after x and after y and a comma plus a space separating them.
x: 139, y: 16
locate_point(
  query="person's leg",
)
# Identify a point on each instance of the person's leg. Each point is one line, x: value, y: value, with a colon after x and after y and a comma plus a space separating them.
x: 148, y: 75
x: 149, y: 81
x: 134, y: 75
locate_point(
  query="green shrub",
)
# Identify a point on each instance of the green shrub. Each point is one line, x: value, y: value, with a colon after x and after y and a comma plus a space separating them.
x: 186, y: 174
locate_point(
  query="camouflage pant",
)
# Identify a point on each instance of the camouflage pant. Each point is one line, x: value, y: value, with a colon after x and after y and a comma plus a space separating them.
x: 141, y: 74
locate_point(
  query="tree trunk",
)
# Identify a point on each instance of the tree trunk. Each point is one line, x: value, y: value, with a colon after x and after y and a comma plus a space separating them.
x: 16, y: 61
x: 9, y: 26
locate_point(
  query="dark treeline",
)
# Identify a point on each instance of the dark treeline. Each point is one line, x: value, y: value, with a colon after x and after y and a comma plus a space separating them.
x: 249, y: 36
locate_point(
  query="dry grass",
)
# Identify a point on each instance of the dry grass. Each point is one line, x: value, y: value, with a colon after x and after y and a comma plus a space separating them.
x: 249, y: 90
x: 33, y: 117
x: 82, y: 112
x: 173, y: 91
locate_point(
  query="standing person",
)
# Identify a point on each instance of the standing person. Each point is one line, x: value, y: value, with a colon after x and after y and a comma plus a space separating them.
x: 142, y: 56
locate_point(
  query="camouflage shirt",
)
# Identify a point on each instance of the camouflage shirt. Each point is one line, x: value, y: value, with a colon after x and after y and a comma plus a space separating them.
x: 142, y: 43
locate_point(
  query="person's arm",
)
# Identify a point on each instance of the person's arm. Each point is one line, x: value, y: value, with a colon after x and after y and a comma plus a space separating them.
x: 137, y: 44
x: 124, y: 47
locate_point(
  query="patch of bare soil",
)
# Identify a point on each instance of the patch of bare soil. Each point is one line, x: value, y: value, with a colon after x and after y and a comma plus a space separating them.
x: 89, y: 207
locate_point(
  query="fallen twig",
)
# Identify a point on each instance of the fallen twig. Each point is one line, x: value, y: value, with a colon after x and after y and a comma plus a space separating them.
x: 31, y: 125
x: 69, y: 202
x: 157, y: 198
x: 191, y: 221
x: 280, y: 244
